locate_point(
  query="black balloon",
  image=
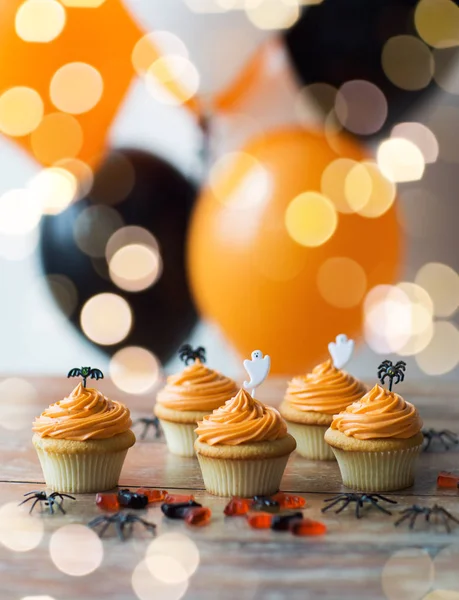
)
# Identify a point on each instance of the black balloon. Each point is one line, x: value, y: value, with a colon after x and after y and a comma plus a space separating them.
x: 144, y: 191
x: 342, y: 40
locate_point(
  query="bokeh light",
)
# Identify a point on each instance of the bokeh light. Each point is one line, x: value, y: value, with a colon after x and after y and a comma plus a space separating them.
x: 179, y: 547
x: 342, y: 282
x: 76, y: 88
x: 253, y: 181
x: 442, y: 284
x: 20, y: 212
x: 134, y: 370
x: 335, y: 184
x: 82, y: 173
x: 320, y: 95
x: 18, y: 531
x: 361, y: 107
x: 311, y: 219
x: 83, y: 3
x: 442, y: 354
x: 37, y: 598
x: 407, y: 62
x: 17, y: 408
x: 135, y: 267
x: 145, y: 52
x: 367, y: 200
x: 57, y: 137
x: 420, y: 325
x: 387, y: 319
x: 446, y: 74
x: 21, y: 111
x: 93, y: 228
x: 421, y: 136
x: 272, y: 14
x: 40, y: 20
x: 114, y: 179
x: 172, y: 79
x: 437, y: 22
x: 76, y: 550
x: 106, y: 319
x: 53, y: 189
x: 400, y: 160
x: 147, y: 587
x: 129, y: 235
x: 64, y: 292
x: 407, y: 574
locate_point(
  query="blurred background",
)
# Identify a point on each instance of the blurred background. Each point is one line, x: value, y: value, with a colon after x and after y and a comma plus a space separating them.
x: 236, y: 174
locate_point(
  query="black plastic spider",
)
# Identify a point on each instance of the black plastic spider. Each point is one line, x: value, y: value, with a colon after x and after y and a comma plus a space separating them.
x: 86, y: 372
x: 49, y: 500
x: 147, y: 423
x: 360, y: 499
x: 120, y: 520
x: 444, y: 436
x: 414, y: 511
x: 395, y: 373
x: 187, y: 353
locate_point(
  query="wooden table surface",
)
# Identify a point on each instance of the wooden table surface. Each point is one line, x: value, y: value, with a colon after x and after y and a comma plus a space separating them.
x: 368, y: 559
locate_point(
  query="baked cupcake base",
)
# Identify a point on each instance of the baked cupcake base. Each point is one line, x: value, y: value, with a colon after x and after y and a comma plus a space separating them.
x: 310, y: 441
x: 245, y: 470
x: 71, y: 466
x: 178, y: 427
x: 375, y: 465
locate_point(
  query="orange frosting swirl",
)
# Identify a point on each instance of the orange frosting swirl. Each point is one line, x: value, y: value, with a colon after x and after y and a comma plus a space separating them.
x: 241, y: 420
x: 326, y: 390
x: 85, y: 414
x: 379, y: 414
x: 197, y: 388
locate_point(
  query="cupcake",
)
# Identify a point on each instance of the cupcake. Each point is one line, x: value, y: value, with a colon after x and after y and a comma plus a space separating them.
x: 186, y: 399
x: 376, y: 441
x: 310, y: 403
x: 82, y: 440
x: 243, y: 448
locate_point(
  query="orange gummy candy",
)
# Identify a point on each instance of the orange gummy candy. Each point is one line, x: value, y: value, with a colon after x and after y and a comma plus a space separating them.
x: 198, y: 516
x: 289, y: 501
x: 174, y: 498
x: 447, y: 480
x: 108, y: 502
x: 260, y: 520
x: 237, y: 507
x: 308, y: 527
x: 153, y: 495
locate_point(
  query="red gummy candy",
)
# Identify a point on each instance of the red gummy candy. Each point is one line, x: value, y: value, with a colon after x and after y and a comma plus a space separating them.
x: 237, y: 507
x: 289, y: 501
x: 308, y: 527
x: 174, y: 498
x: 153, y: 495
x: 447, y: 480
x: 198, y: 516
x: 108, y: 502
x: 260, y: 520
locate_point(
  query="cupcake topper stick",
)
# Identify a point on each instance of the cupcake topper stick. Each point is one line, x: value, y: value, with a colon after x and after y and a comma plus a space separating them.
x: 258, y: 370
x: 341, y: 350
x: 86, y: 372
x: 395, y: 373
x: 187, y: 353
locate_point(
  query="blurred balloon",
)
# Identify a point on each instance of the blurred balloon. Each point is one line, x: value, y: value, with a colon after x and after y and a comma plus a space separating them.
x: 274, y: 253
x: 123, y: 249
x: 337, y: 42
x: 65, y: 70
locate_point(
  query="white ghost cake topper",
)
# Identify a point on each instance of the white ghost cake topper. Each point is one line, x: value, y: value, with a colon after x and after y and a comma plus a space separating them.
x: 258, y: 370
x: 341, y: 350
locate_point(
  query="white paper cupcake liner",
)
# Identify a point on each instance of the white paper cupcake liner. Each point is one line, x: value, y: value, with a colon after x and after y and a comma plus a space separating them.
x: 180, y: 437
x: 310, y: 441
x: 377, y: 471
x: 81, y: 473
x: 246, y: 478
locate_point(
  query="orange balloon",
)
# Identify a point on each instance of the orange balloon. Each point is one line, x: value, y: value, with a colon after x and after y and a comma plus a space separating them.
x: 36, y: 43
x: 274, y: 263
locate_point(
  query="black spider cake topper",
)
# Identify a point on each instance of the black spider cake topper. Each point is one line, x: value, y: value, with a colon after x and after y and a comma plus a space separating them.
x: 395, y: 373
x: 86, y: 373
x: 188, y: 353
